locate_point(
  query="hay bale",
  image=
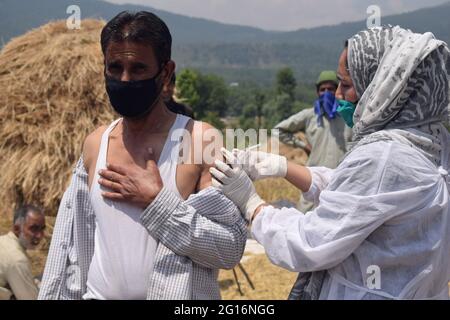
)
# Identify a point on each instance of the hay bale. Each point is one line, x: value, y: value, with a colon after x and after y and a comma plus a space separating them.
x: 52, y: 97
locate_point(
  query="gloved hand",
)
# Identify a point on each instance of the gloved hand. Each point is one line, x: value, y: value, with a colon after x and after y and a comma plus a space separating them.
x: 236, y: 185
x: 260, y: 165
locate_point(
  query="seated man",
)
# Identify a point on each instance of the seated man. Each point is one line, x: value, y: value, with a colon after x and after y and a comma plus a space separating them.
x: 16, y: 279
x: 136, y: 223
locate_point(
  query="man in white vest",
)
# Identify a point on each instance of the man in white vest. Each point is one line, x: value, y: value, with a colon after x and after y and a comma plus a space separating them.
x: 136, y: 223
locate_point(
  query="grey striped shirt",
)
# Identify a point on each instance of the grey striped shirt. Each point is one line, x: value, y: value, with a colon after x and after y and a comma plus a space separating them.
x: 195, y: 237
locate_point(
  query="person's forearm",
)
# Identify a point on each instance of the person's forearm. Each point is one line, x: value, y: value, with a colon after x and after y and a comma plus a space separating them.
x: 75, y: 199
x: 207, y: 227
x: 258, y: 211
x: 20, y: 279
x: 299, y: 176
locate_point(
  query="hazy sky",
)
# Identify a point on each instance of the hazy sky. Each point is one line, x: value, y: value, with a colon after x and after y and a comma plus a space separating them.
x: 283, y: 14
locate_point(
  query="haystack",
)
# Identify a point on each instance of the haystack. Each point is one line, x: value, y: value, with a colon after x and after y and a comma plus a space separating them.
x: 52, y: 97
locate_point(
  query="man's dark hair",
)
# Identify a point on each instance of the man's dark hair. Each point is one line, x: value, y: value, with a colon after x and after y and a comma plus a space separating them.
x: 173, y: 78
x: 141, y: 27
x: 21, y: 213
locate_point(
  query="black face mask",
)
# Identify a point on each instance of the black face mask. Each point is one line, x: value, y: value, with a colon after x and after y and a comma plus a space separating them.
x: 133, y: 99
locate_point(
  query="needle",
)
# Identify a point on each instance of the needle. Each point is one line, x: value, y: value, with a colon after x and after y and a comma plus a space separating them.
x: 253, y: 147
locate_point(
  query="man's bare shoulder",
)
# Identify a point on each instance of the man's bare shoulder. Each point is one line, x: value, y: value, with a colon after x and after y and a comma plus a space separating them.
x: 208, y: 135
x: 91, y: 145
x: 203, y: 129
x: 212, y: 141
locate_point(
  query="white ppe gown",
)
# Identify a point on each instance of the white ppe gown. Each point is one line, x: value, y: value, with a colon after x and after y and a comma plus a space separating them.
x: 383, y: 213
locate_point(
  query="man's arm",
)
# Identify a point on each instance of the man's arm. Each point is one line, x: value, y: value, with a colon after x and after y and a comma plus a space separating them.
x: 75, y: 198
x: 20, y: 280
x: 294, y: 124
x: 211, y: 137
x: 52, y: 284
x: 320, y: 178
x: 91, y: 148
x: 207, y: 227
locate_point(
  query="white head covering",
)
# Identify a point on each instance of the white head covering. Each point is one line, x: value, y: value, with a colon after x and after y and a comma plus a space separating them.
x: 402, y: 80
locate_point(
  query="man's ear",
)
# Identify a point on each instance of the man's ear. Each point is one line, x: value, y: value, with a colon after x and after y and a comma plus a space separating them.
x: 169, y: 69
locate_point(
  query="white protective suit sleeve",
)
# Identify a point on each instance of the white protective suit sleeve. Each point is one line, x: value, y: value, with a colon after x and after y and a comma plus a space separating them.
x: 369, y: 187
x: 321, y: 177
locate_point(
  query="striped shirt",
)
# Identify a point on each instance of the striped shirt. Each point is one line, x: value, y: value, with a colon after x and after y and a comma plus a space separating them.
x: 196, y: 237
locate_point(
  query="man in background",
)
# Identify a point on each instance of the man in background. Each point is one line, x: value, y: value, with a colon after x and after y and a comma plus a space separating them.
x: 325, y: 132
x: 16, y: 279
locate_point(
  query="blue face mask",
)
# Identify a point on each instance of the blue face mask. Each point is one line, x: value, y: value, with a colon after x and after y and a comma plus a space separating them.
x: 325, y: 104
x: 346, y: 109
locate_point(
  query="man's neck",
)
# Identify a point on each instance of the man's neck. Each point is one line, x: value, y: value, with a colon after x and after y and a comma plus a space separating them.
x: 16, y: 238
x: 154, y: 122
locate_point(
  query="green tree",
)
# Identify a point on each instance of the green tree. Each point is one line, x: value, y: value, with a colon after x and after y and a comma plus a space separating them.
x: 206, y: 94
x: 213, y: 94
x: 247, y: 119
x: 213, y: 119
x: 299, y: 106
x: 187, y: 83
x: 252, y: 113
x: 238, y: 97
x: 277, y: 109
x: 259, y: 104
x: 306, y: 92
x: 286, y: 82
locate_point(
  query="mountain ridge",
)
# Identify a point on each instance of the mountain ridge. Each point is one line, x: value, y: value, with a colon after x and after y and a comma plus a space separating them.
x: 238, y: 53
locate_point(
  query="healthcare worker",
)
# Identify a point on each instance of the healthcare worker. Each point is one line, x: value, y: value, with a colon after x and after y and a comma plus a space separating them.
x: 381, y: 228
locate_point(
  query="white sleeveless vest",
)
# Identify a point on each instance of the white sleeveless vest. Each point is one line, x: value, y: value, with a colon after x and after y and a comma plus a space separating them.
x: 124, y: 251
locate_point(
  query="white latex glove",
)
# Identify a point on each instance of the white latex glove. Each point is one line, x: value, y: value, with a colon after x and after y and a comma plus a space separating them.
x: 260, y: 165
x: 236, y: 185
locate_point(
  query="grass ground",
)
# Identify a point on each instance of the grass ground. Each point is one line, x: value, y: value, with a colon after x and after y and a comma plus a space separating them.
x: 270, y: 281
